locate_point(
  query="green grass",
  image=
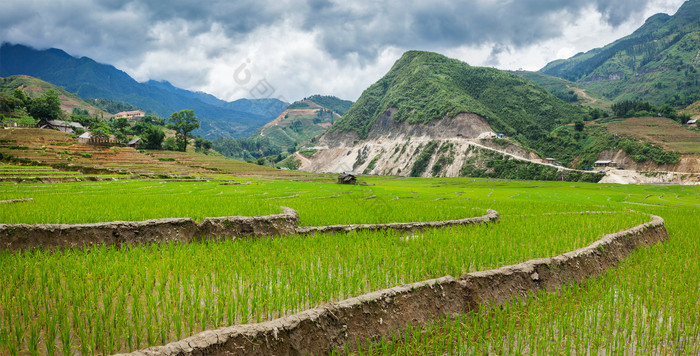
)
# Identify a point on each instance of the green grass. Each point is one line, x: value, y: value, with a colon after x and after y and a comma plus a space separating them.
x: 318, y: 204
x: 648, y: 305
x: 107, y: 299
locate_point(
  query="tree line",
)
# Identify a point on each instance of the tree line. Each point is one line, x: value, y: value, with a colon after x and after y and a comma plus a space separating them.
x: 19, y: 108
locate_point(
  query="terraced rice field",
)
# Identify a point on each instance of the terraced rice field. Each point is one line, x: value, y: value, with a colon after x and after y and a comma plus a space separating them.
x: 53, y: 148
x: 105, y: 300
x: 46, y: 174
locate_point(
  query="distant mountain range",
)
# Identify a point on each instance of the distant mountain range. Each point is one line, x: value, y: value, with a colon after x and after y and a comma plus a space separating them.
x: 658, y: 62
x: 433, y: 116
x: 300, y: 124
x: 304, y: 120
x: 90, y: 79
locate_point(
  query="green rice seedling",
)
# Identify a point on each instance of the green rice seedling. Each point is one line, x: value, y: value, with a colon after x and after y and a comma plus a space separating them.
x: 645, y: 306
x: 124, y: 298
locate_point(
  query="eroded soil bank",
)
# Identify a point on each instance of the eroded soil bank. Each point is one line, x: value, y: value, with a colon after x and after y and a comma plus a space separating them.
x: 50, y: 236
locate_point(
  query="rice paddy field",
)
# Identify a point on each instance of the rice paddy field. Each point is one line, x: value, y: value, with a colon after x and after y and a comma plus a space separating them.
x: 105, y: 300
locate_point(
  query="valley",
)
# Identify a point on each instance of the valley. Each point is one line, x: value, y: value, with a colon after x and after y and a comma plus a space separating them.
x: 454, y: 206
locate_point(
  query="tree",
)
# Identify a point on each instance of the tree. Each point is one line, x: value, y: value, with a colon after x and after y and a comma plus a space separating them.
x: 596, y: 114
x: 80, y: 111
x: 170, y: 144
x: 183, y: 122
x: 85, y: 120
x: 154, y: 136
x: 578, y: 125
x: 21, y: 96
x: 46, y: 107
x: 202, y: 145
x: 153, y: 119
x: 119, y: 124
x: 100, y: 131
x: 9, y: 103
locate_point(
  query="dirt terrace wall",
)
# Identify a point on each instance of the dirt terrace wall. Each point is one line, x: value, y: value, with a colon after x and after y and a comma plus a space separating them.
x: 491, y: 215
x: 25, y: 236
x: 501, y: 284
x: 378, y: 314
x: 11, y: 201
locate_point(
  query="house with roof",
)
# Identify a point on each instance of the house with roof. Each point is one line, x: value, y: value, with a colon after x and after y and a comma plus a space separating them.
x: 135, y: 142
x: 130, y: 115
x: 88, y: 138
x: 63, y: 126
x: 85, y: 137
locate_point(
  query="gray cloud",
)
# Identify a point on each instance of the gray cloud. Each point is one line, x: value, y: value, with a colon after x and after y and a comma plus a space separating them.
x: 300, y: 45
x: 443, y: 23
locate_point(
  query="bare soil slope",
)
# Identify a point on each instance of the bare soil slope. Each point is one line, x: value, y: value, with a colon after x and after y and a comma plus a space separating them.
x: 392, y: 148
x: 664, y: 132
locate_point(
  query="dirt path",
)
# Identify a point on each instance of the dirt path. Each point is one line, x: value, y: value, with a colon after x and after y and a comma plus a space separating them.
x: 520, y: 157
x: 582, y: 93
x: 302, y: 158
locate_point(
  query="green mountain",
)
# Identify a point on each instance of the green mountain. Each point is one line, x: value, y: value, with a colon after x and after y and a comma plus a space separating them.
x: 299, y: 124
x: 658, y: 62
x: 304, y: 120
x: 567, y: 91
x: 327, y: 102
x: 34, y: 88
x: 90, y: 79
x: 426, y: 86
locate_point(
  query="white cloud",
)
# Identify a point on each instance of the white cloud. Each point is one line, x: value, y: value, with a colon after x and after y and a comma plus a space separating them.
x: 300, y: 48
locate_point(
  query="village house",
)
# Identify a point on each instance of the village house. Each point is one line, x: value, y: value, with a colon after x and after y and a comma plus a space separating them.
x: 347, y: 178
x: 135, y: 142
x: 64, y: 126
x: 549, y: 160
x: 130, y: 115
x: 88, y: 138
x: 85, y: 137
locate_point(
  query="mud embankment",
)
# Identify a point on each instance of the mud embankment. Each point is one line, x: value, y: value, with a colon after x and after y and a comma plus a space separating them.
x: 25, y: 236
x: 11, y: 201
x: 491, y: 215
x: 373, y: 316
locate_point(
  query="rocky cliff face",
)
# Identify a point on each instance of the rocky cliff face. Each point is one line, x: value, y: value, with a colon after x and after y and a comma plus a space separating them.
x: 435, y: 149
x: 687, y: 163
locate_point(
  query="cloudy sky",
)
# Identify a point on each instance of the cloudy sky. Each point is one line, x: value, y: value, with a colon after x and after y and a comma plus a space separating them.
x: 298, y: 48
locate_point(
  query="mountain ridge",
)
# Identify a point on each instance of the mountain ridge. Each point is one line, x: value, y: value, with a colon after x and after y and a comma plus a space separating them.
x: 34, y: 88
x: 432, y: 116
x: 90, y: 79
x: 658, y: 62
x: 425, y: 86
